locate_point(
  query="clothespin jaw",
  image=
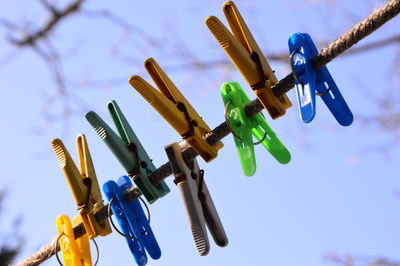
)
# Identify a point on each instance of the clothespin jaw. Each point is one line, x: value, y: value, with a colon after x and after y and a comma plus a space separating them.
x: 83, y: 185
x: 310, y: 82
x: 248, y: 58
x: 128, y: 150
x: 133, y: 222
x: 243, y: 127
x: 174, y: 107
x: 197, y: 201
x: 75, y: 252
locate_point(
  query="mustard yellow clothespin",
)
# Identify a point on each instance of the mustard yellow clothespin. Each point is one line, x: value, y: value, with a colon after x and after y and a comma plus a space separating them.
x: 75, y: 252
x: 83, y: 184
x: 174, y: 107
x: 248, y: 58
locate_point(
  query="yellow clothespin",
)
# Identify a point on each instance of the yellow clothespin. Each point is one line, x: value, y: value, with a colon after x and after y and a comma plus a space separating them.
x: 75, y: 252
x: 83, y: 184
x: 248, y: 58
x: 174, y: 107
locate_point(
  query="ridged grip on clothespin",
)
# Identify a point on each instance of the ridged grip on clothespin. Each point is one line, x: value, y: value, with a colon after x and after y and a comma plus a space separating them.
x: 176, y: 110
x: 248, y: 58
x: 128, y: 150
x: 83, y: 185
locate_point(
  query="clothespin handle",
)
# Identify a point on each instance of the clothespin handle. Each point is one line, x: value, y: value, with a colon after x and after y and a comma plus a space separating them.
x: 311, y: 82
x: 148, y: 239
x: 248, y: 58
x: 126, y: 219
x: 189, y: 194
x: 75, y: 252
x: 83, y: 185
x: 197, y: 200
x: 176, y: 110
x: 128, y: 150
x: 243, y: 128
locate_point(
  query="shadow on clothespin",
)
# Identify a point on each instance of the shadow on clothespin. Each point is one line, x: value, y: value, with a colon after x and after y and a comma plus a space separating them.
x: 310, y: 82
x: 83, y: 185
x: 174, y: 107
x: 243, y: 129
x: 75, y: 252
x: 128, y: 150
x: 134, y: 224
x: 246, y: 55
x: 196, y: 199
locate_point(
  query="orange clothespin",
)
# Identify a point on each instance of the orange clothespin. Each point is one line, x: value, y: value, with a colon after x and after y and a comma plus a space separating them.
x: 248, y: 58
x: 83, y: 184
x: 75, y: 252
x: 174, y: 107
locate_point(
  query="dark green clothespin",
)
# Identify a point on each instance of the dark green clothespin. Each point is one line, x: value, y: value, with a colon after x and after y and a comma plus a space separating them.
x: 128, y: 150
x: 244, y: 128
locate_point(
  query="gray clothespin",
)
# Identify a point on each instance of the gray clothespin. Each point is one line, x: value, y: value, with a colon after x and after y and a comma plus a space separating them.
x: 197, y: 200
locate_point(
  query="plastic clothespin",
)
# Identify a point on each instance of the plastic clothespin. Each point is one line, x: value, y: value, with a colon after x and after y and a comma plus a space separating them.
x: 83, y: 184
x: 246, y: 55
x: 75, y: 252
x: 311, y: 82
x: 174, y: 107
x: 197, y: 200
x: 244, y: 128
x: 132, y: 220
x: 129, y: 151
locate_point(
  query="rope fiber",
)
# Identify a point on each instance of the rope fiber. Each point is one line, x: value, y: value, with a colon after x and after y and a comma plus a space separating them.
x: 334, y: 49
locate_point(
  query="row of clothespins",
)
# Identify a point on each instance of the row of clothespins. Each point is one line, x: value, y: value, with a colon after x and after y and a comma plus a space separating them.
x: 246, y: 55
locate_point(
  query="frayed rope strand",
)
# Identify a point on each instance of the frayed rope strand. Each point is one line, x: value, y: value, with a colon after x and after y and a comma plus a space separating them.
x: 334, y: 49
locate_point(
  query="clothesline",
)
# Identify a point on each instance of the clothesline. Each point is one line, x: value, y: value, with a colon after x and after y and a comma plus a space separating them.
x: 334, y: 49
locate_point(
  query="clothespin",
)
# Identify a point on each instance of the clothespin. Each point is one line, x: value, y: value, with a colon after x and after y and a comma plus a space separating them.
x: 75, y: 252
x: 244, y: 128
x: 133, y: 221
x: 129, y: 151
x: 83, y: 184
x: 174, y: 107
x: 197, y: 200
x: 311, y: 82
x: 246, y: 55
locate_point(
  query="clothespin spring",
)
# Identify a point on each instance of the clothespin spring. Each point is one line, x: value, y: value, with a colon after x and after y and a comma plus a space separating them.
x: 297, y: 77
x: 87, y: 181
x: 134, y: 150
x: 58, y: 258
x: 181, y: 107
x: 256, y: 59
x: 109, y: 213
x: 233, y: 132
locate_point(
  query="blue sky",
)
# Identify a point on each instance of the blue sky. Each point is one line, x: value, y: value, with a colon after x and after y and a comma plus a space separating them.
x: 337, y: 194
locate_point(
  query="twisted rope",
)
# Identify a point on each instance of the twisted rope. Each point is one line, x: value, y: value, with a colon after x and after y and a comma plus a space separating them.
x: 347, y: 40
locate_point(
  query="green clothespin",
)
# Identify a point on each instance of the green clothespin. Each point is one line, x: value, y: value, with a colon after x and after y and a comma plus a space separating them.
x: 129, y: 151
x: 243, y: 128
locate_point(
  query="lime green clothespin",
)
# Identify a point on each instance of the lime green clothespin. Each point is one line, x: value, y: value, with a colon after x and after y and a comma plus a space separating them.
x: 128, y: 150
x: 243, y: 128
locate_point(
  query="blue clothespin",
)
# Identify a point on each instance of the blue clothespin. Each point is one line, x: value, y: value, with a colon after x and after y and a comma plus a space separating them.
x: 132, y: 220
x: 310, y: 82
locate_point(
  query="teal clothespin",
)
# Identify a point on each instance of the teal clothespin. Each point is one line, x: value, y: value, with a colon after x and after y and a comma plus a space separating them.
x: 129, y: 151
x: 244, y: 127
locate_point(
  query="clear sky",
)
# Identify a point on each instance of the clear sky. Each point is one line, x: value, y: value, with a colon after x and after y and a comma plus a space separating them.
x: 338, y: 194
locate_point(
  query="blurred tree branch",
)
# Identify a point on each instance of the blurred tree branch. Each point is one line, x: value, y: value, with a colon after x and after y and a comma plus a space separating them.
x: 350, y: 260
x: 39, y: 40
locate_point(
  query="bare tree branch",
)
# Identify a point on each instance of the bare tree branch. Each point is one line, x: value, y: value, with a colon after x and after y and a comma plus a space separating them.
x: 56, y: 17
